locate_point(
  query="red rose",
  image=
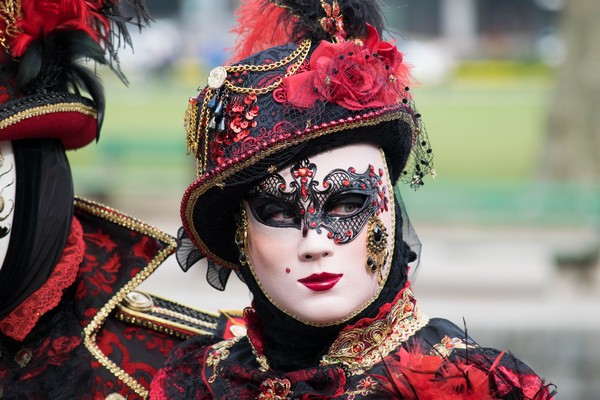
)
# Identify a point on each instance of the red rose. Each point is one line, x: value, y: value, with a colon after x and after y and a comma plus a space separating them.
x: 353, y: 74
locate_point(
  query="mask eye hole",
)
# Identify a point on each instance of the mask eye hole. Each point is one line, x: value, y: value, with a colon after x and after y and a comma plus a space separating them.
x: 274, y: 212
x: 346, y: 204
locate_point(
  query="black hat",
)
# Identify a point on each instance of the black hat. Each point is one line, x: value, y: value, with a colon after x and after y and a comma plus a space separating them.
x: 42, y: 82
x: 320, y: 77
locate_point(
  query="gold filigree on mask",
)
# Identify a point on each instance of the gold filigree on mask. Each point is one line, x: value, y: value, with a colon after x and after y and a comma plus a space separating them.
x: 241, y: 236
x: 377, y: 253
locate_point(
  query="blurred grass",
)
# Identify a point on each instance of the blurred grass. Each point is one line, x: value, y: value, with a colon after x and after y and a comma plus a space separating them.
x: 486, y: 129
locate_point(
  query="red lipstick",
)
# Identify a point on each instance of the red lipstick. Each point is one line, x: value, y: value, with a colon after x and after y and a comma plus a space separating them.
x: 321, y: 282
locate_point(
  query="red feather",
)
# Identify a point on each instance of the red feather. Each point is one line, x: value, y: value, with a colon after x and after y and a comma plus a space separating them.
x: 258, y: 28
x: 418, y: 376
x: 40, y: 18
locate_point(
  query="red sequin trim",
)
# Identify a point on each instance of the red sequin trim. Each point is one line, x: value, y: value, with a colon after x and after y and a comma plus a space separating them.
x: 23, y: 318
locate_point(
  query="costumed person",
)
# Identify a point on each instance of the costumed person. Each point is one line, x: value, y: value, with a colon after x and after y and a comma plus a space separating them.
x: 71, y: 325
x: 298, y: 147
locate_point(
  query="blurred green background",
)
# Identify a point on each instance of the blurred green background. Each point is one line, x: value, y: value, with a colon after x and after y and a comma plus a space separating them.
x: 486, y: 123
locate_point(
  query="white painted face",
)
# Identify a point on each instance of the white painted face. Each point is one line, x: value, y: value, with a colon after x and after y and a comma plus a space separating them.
x: 8, y: 178
x: 308, y: 227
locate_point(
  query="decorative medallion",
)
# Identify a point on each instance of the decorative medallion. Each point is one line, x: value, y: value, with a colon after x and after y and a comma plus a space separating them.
x: 139, y: 301
x: 216, y: 77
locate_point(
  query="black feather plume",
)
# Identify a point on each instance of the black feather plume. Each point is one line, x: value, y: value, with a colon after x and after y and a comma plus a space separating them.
x: 356, y: 14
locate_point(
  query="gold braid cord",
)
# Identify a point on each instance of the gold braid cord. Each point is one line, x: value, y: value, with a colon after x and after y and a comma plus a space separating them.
x: 91, y: 330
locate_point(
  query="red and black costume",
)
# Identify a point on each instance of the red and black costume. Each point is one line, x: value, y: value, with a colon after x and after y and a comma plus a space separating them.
x: 399, y: 354
x: 314, y: 76
x: 61, y: 342
x: 85, y: 333
x: 71, y: 326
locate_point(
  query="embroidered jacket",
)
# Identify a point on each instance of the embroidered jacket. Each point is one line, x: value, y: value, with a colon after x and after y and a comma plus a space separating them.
x: 400, y: 354
x: 85, y: 334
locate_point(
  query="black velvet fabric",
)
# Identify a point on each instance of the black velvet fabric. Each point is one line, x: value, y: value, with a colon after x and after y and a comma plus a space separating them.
x: 42, y: 219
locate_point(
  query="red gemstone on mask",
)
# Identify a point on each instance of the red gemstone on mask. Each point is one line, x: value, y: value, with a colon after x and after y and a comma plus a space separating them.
x: 303, y: 171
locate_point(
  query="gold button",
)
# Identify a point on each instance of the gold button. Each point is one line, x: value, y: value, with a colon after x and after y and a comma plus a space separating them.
x: 139, y: 301
x: 237, y: 330
x: 114, y: 396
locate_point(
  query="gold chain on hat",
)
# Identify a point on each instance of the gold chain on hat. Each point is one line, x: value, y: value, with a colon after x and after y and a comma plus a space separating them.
x: 217, y: 79
x: 301, y: 52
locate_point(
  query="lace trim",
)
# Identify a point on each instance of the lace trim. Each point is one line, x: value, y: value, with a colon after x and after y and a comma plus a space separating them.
x: 359, y: 348
x: 23, y: 319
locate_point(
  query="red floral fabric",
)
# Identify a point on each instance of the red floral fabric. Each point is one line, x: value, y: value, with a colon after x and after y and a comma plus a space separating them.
x: 24, y: 317
x: 52, y: 362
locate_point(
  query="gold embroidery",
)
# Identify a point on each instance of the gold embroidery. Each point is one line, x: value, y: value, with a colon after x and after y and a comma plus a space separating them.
x: 261, y: 359
x: 359, y: 349
x: 365, y: 387
x: 447, y: 346
x: 219, y: 352
x: 10, y: 11
x: 275, y: 389
x: 90, y: 331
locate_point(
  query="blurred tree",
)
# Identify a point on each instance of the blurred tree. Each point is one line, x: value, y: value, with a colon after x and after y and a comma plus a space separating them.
x: 571, y: 153
x: 572, y: 147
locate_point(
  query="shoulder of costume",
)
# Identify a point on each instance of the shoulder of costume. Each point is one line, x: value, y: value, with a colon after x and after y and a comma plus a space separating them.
x: 144, y: 309
x: 87, y: 210
x: 120, y: 253
x: 169, y: 317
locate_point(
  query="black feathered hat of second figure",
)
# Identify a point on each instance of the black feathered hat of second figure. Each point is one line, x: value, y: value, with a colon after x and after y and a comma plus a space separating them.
x: 45, y: 90
x: 313, y: 75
